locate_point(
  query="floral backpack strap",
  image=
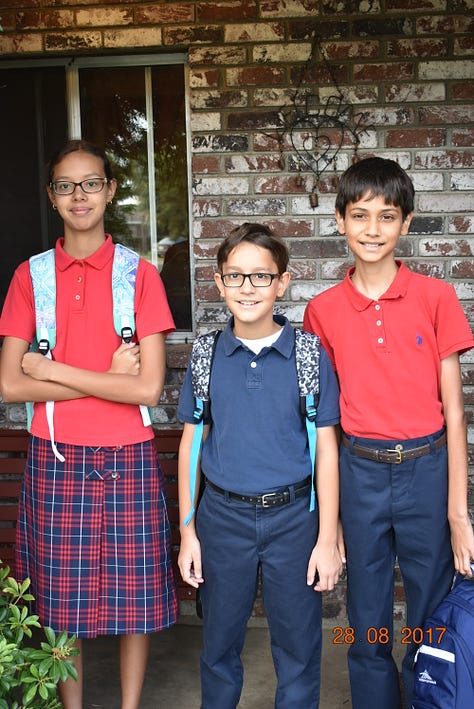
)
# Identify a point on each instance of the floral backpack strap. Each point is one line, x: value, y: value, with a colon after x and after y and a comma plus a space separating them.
x: 307, y: 352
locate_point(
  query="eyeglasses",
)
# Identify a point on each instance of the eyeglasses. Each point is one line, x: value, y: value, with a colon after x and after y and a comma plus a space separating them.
x: 94, y: 184
x: 257, y: 280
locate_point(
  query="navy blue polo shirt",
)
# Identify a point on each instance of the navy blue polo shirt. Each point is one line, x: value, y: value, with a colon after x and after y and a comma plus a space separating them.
x: 257, y: 441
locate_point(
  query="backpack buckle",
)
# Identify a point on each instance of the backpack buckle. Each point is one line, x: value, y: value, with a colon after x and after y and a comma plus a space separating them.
x: 43, y: 347
x: 308, y: 410
x: 127, y: 334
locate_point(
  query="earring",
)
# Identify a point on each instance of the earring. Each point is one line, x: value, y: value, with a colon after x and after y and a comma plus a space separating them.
x: 109, y: 203
x: 53, y: 206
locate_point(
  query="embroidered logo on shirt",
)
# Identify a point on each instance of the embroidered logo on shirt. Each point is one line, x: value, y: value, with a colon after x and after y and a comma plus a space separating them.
x: 419, y: 340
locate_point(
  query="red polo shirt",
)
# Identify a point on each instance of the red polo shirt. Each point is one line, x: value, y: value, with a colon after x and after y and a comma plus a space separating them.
x: 85, y: 337
x: 387, y: 352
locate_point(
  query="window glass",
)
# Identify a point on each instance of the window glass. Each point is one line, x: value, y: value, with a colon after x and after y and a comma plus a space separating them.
x: 33, y: 121
x: 138, y: 115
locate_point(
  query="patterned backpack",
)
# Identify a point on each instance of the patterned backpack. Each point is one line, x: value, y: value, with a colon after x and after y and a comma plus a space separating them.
x: 307, y: 350
x: 43, y: 278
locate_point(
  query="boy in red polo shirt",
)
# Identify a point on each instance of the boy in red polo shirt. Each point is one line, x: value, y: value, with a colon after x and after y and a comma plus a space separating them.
x: 394, y: 338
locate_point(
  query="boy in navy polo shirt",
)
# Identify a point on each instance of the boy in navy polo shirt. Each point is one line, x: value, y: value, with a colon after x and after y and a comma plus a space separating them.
x: 394, y: 338
x: 257, y: 444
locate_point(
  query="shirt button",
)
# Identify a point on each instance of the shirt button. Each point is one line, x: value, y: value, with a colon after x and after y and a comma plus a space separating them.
x: 79, y: 279
x: 253, y: 364
x: 115, y: 476
x: 380, y: 340
x: 377, y: 306
x: 78, y: 297
x: 379, y: 322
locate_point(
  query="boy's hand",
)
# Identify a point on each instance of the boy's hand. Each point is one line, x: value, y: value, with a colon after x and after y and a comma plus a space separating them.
x: 126, y: 359
x: 36, y: 365
x: 189, y: 560
x: 462, y: 542
x: 340, y: 542
x: 324, y: 567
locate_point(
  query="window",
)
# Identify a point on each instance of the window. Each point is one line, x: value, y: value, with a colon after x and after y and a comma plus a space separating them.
x: 135, y: 108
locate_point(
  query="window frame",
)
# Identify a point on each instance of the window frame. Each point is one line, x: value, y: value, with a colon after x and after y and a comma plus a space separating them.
x: 72, y: 66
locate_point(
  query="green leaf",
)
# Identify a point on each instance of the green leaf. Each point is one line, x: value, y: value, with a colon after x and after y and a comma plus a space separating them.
x: 50, y: 635
x: 30, y: 695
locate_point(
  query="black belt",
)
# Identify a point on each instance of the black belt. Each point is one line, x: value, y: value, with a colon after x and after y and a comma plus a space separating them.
x: 268, y: 499
x: 393, y: 455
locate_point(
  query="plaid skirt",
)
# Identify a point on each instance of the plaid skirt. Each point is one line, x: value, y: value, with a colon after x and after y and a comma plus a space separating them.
x: 94, y: 537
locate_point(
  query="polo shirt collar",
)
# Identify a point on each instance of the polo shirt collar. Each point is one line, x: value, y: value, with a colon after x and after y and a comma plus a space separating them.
x: 284, y: 344
x: 397, y: 289
x: 98, y: 260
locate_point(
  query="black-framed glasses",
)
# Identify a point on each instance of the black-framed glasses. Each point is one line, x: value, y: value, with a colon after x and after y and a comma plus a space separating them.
x: 90, y: 186
x: 257, y: 280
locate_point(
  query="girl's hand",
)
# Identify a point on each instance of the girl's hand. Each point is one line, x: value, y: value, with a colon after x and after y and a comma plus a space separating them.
x: 36, y: 365
x: 126, y: 359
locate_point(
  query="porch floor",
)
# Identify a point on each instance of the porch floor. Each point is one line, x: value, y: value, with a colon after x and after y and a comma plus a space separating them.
x: 172, y: 679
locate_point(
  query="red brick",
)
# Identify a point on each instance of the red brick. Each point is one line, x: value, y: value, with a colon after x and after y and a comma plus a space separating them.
x: 205, y: 164
x: 233, y: 10
x: 445, y: 159
x: 393, y: 71
x: 447, y: 115
x: 252, y: 163
x: 463, y: 269
x: 204, y: 78
x: 284, y: 185
x: 70, y: 41
x: 418, y: 47
x: 335, y: 51
x: 164, y: 13
x: 462, y: 90
x: 462, y: 137
x: 257, y: 76
x: 49, y: 19
x: 415, y: 138
x: 462, y: 225
x: 406, y: 5
x: 176, y: 36
x: 12, y: 4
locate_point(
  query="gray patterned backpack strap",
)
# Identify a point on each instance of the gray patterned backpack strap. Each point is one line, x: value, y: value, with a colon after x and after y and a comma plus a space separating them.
x: 202, y: 356
x: 307, y: 352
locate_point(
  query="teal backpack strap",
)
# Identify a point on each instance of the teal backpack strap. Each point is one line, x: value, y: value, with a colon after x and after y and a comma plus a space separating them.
x: 307, y: 368
x: 200, y: 362
x: 43, y: 278
x: 124, y: 276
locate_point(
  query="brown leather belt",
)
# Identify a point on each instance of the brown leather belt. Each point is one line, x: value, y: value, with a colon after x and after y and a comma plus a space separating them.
x: 393, y: 455
x: 269, y: 499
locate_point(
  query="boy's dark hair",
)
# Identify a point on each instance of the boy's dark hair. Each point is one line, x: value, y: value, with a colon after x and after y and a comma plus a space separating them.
x: 260, y: 235
x: 74, y: 146
x: 376, y: 177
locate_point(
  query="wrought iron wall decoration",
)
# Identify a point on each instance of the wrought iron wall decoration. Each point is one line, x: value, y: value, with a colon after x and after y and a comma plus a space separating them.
x: 317, y: 130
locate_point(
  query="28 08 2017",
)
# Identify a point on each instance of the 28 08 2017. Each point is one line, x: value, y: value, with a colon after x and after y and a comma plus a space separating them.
x: 347, y: 636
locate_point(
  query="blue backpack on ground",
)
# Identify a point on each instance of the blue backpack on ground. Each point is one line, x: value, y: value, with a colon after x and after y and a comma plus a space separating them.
x: 444, y: 663
x: 307, y: 349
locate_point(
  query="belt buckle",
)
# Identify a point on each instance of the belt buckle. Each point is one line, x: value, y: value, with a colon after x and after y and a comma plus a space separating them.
x: 267, y: 497
x: 398, y: 451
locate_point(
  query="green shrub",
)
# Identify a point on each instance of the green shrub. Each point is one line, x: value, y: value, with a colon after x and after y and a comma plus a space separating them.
x: 29, y: 675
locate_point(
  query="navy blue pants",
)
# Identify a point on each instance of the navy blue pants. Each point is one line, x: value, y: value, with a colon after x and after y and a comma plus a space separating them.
x: 392, y: 511
x: 235, y: 539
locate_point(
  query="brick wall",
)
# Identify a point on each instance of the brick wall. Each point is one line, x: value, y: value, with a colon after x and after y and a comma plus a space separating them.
x: 407, y: 65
